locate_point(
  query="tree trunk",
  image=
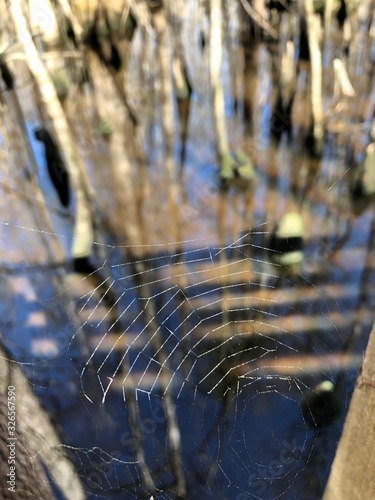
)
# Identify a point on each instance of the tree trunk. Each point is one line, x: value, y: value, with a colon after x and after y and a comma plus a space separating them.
x: 313, y: 29
x: 37, y: 442
x: 352, y: 474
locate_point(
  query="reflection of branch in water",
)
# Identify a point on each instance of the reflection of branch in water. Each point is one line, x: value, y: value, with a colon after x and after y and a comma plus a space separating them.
x: 342, y: 379
x: 133, y: 419
x: 258, y: 19
x: 173, y: 433
x: 217, y: 429
x: 364, y: 289
x: 341, y: 241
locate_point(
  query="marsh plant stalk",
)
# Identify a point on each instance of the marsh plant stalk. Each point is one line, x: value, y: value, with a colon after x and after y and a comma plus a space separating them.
x: 83, y: 230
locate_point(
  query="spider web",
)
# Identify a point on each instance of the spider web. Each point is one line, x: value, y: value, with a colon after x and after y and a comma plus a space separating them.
x: 236, y: 348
